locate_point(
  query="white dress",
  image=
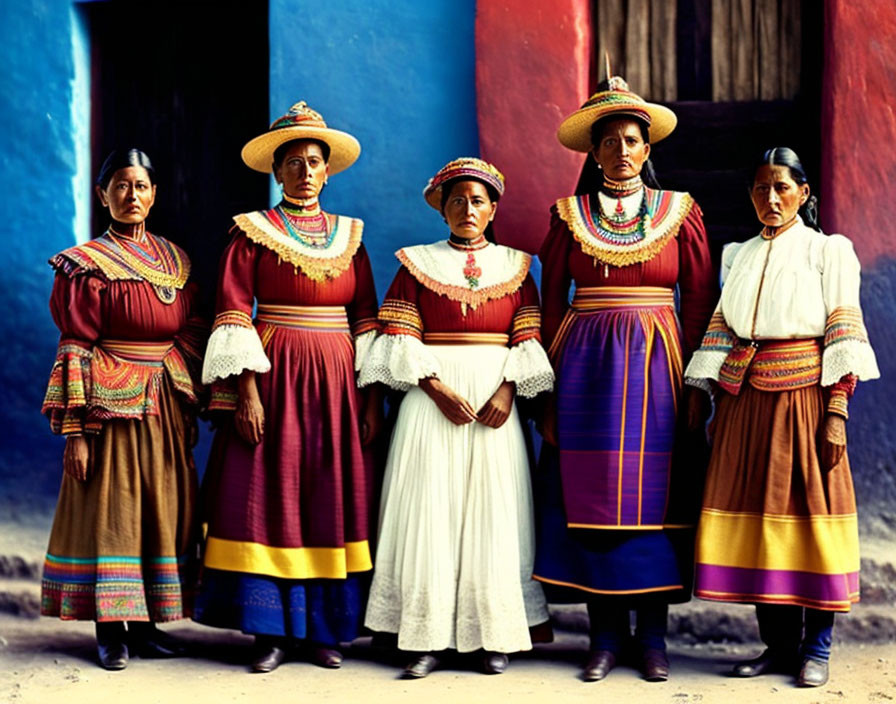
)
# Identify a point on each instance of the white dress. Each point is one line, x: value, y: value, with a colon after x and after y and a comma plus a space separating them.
x: 453, y: 567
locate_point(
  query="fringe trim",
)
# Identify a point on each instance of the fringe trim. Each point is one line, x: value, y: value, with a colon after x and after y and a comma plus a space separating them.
x: 624, y: 255
x: 315, y: 268
x: 467, y: 296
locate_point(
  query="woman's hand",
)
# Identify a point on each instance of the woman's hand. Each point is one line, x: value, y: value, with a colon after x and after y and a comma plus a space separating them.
x: 372, y: 419
x: 497, y: 409
x: 453, y: 406
x: 249, y: 411
x: 833, y: 442
x: 76, y: 458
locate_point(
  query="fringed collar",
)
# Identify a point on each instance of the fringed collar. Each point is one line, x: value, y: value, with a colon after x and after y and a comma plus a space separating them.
x: 445, y: 270
x: 265, y: 227
x: 663, y: 213
x: 154, y: 259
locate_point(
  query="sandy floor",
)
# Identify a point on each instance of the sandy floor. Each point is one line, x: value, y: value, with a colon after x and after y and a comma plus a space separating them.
x: 46, y: 661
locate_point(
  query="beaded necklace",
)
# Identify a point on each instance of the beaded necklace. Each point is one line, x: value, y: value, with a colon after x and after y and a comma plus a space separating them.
x: 617, y: 229
x: 310, y: 226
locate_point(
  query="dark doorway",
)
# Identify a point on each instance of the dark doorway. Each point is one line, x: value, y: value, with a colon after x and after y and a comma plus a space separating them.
x: 187, y: 82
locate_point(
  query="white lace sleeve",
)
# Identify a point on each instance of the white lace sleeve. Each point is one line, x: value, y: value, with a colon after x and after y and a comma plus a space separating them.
x: 846, y: 346
x: 528, y: 367
x: 399, y: 361
x: 231, y: 350
x: 363, y: 343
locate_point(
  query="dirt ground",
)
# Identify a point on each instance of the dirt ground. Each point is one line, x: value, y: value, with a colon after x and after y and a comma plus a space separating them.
x: 46, y: 661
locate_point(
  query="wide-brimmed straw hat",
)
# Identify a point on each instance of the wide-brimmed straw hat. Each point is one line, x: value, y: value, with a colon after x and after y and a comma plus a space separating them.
x: 614, y: 98
x: 466, y: 167
x: 301, y: 122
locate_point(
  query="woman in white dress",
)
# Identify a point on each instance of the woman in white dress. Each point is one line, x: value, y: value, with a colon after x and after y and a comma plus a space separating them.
x: 460, y: 334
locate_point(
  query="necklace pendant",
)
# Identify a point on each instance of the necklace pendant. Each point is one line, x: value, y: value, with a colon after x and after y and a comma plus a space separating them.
x: 606, y: 271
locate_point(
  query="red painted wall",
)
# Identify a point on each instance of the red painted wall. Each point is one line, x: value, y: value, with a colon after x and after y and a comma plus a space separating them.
x: 859, y: 124
x: 532, y: 69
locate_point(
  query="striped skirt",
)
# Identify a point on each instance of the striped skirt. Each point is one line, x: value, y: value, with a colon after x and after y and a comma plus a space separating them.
x: 775, y: 527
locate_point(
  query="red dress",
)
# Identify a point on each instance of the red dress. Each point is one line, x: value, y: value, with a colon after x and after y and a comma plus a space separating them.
x: 120, y: 547
x: 290, y: 512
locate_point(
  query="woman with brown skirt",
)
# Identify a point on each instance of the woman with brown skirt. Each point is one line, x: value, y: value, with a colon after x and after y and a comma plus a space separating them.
x: 123, y: 394
x: 782, y: 355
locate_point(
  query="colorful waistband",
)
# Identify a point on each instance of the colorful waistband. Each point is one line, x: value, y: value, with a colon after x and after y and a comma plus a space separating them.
x: 604, y: 297
x: 321, y: 318
x: 138, y: 351
x: 466, y: 338
x: 786, y: 364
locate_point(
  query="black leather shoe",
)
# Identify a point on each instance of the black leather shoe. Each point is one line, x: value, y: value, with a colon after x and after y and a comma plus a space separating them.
x: 767, y: 662
x: 111, y: 645
x: 655, y: 665
x: 420, y: 667
x: 813, y: 673
x: 270, y: 656
x: 324, y: 656
x: 494, y: 663
x: 147, y: 641
x: 599, y: 665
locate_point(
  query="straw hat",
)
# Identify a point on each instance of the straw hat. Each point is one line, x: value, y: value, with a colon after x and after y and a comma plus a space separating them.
x: 614, y: 98
x: 465, y: 167
x: 301, y: 122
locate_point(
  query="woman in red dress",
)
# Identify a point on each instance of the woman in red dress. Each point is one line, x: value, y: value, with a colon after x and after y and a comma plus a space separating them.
x: 123, y: 394
x: 460, y: 335
x: 287, y: 536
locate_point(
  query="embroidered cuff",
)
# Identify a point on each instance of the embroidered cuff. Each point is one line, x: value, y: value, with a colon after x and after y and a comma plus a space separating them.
x: 231, y: 350
x: 846, y: 348
x: 839, y: 395
x: 400, y: 318
x: 526, y: 325
x: 69, y: 387
x: 399, y: 361
x: 529, y: 368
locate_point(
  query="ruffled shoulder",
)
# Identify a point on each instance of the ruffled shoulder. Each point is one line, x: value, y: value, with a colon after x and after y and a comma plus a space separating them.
x: 469, y: 277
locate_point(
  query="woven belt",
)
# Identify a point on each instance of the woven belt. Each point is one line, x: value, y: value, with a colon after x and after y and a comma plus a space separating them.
x: 138, y: 351
x: 604, y: 297
x: 466, y: 338
x: 320, y: 318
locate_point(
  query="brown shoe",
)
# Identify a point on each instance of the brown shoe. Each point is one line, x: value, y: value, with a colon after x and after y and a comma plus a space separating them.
x: 494, y: 663
x: 813, y: 673
x: 420, y: 667
x: 767, y: 662
x: 323, y: 656
x: 599, y: 665
x: 270, y: 657
x: 655, y: 665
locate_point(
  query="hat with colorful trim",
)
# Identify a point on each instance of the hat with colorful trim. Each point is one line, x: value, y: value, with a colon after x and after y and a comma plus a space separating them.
x: 614, y: 98
x: 466, y: 167
x: 301, y: 122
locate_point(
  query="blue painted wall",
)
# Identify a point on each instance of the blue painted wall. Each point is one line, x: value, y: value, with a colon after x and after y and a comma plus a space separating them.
x: 400, y: 76
x: 38, y: 162
x: 401, y: 79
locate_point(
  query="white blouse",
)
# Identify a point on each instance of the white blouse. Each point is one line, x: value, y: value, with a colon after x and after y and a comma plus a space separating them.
x: 801, y: 284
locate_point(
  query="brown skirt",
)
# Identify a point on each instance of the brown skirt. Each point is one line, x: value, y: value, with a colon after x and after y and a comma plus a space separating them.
x: 122, y: 543
x: 775, y: 527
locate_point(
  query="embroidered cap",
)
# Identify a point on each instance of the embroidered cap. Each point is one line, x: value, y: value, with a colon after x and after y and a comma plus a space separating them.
x: 614, y: 97
x: 301, y: 122
x: 466, y: 167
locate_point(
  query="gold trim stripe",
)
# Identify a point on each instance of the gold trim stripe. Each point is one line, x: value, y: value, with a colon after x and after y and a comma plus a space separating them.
x: 466, y: 338
x: 288, y: 563
x: 819, y: 544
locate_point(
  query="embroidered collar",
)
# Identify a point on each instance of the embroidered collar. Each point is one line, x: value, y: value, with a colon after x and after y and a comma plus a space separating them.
x: 468, y: 245
x: 659, y: 218
x: 153, y: 259
x: 441, y: 269
x: 267, y: 228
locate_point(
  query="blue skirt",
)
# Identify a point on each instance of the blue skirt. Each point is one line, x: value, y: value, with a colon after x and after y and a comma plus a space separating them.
x: 577, y: 564
x: 325, y: 611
